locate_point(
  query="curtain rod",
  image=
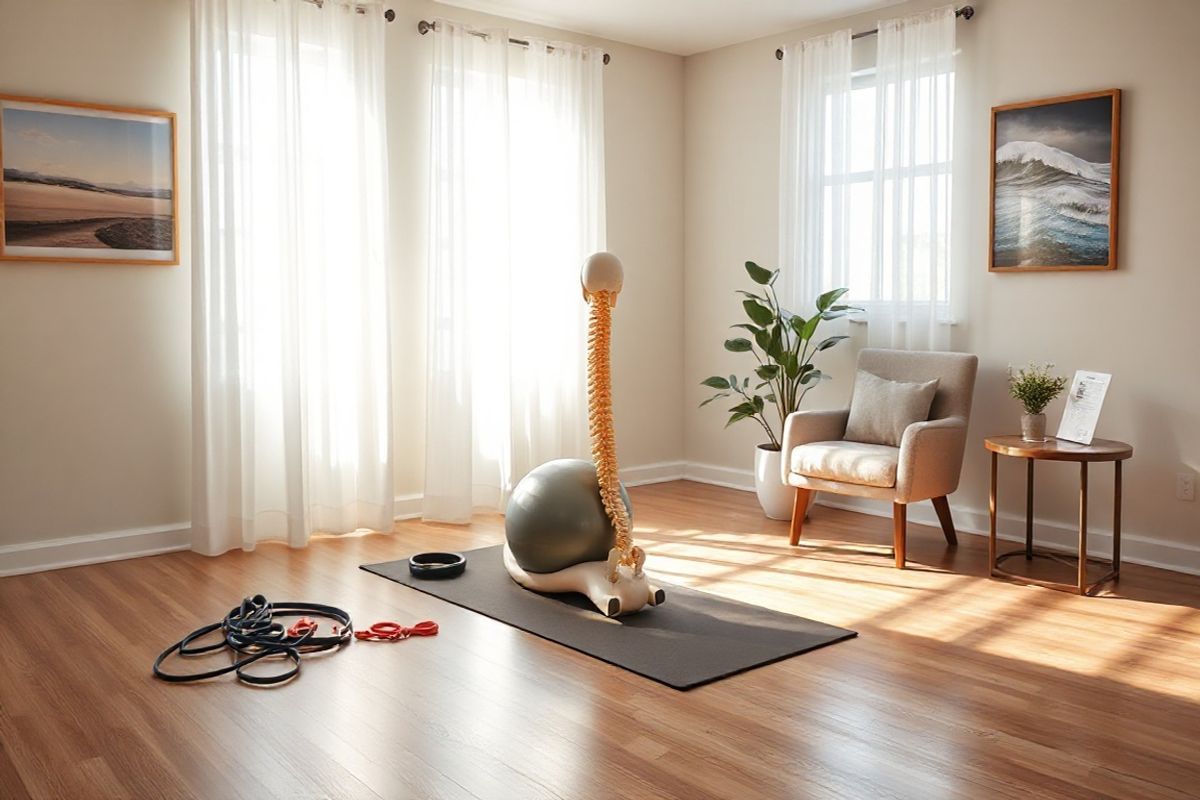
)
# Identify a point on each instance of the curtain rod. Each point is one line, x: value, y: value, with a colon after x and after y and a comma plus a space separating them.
x: 966, y: 12
x: 388, y: 15
x: 424, y: 27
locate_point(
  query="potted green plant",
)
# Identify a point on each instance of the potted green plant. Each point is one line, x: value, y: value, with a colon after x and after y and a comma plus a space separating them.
x: 1035, y: 387
x: 783, y: 344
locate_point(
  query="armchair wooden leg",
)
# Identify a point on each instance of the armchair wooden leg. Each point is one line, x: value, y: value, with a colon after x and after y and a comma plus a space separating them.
x: 899, y: 532
x: 798, y: 512
x: 942, y: 506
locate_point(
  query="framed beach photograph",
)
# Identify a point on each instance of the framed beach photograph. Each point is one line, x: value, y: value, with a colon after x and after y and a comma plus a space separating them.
x: 1054, y: 183
x: 87, y: 183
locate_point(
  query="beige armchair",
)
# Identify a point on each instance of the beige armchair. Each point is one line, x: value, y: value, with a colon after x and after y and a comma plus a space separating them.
x: 925, y: 466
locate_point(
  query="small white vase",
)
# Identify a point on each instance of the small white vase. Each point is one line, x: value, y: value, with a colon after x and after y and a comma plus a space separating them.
x: 775, y: 496
x: 1033, y: 427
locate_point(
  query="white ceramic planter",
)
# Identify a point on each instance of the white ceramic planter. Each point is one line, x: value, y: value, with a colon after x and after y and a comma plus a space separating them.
x: 775, y: 496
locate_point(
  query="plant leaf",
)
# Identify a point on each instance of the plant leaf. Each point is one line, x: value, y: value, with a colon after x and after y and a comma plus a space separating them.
x: 743, y: 408
x: 774, y: 346
x: 714, y: 397
x: 758, y: 274
x: 810, y: 327
x: 791, y: 365
x: 829, y: 342
x: 758, y: 313
x: 738, y: 345
x: 751, y: 295
x: 812, y: 375
x: 829, y: 298
x: 767, y: 371
x: 736, y: 418
x: 715, y: 382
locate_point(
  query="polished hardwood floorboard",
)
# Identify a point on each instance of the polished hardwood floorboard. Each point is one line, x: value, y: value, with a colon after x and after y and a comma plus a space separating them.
x: 957, y: 687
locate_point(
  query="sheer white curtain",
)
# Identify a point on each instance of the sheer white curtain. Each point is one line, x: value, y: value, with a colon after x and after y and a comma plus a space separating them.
x: 911, y: 292
x: 290, y: 335
x: 516, y: 202
x: 866, y: 172
x: 814, y: 194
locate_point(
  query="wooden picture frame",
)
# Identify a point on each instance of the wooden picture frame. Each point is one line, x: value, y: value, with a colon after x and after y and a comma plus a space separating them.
x: 1057, y: 200
x: 87, y: 183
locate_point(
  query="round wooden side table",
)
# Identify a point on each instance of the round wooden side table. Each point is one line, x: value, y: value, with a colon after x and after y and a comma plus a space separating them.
x: 1058, y: 450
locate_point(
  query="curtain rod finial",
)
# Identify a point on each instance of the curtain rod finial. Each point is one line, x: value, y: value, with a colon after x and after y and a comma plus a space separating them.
x: 424, y: 27
x: 779, y: 54
x: 966, y: 12
x: 389, y: 15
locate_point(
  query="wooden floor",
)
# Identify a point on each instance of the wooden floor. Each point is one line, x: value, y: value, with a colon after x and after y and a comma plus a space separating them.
x: 958, y: 686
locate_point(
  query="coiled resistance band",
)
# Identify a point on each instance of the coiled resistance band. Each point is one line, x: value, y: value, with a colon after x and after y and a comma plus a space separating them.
x: 251, y: 631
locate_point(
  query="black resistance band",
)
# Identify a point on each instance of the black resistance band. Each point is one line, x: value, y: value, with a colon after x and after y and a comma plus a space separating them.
x: 251, y: 631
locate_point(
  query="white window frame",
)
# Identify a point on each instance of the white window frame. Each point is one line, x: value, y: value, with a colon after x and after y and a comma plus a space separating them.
x: 862, y: 79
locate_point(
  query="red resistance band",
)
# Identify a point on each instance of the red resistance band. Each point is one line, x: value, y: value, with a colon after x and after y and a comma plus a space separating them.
x: 394, y: 631
x: 379, y: 632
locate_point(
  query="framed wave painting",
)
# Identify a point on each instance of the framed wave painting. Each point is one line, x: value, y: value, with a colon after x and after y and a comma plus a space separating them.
x: 87, y: 183
x: 1054, y: 183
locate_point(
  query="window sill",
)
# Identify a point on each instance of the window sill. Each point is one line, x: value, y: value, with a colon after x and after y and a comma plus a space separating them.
x: 863, y: 321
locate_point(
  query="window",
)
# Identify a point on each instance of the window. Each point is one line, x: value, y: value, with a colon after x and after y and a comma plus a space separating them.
x: 865, y: 180
x: 896, y: 192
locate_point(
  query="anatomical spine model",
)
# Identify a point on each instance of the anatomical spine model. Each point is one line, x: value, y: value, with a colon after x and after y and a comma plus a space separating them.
x: 618, y: 584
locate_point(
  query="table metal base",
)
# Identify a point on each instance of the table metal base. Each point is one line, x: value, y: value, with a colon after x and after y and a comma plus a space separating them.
x: 1080, y: 561
x: 1069, y: 559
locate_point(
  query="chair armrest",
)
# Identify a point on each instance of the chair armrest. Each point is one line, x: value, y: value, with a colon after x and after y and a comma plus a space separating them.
x: 931, y: 455
x: 802, y: 427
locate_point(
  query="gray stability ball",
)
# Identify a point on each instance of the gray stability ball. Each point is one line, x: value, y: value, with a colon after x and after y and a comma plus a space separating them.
x: 555, y: 517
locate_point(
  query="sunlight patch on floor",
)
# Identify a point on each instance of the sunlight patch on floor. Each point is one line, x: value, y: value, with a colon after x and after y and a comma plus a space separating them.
x: 1030, y: 624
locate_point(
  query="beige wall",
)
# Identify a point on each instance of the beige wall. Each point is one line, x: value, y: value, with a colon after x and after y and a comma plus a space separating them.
x: 95, y: 360
x: 95, y: 374
x: 1137, y: 323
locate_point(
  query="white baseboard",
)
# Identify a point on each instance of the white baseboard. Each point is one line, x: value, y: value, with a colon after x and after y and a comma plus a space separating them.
x: 93, y: 548
x: 719, y: 476
x: 73, y: 551
x: 1135, y: 548
x: 408, y: 506
x: 96, y: 548
x: 659, y: 472
x: 1010, y: 527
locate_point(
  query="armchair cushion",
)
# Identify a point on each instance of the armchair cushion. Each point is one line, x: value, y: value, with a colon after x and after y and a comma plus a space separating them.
x: 802, y: 427
x: 847, y: 462
x: 881, y: 409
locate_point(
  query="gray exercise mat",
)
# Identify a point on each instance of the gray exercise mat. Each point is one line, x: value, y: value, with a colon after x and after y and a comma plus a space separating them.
x: 692, y: 639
